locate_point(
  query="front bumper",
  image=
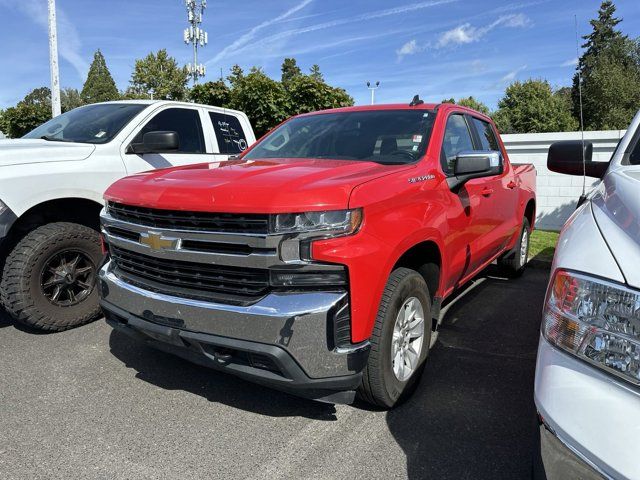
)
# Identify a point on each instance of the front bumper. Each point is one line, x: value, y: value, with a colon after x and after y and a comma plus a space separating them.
x: 283, y: 340
x: 591, y: 418
x: 560, y: 462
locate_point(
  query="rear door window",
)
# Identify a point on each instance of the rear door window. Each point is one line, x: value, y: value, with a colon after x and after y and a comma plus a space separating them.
x: 184, y: 121
x: 229, y: 133
x: 487, y: 136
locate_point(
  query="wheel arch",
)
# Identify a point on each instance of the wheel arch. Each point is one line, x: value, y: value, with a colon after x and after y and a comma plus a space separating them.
x: 530, y: 212
x: 426, y: 258
x: 71, y: 209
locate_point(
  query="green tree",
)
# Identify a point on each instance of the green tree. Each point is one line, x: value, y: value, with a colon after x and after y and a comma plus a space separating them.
x: 308, y: 94
x: 71, y: 98
x: 268, y: 102
x: 215, y: 93
x: 263, y: 99
x: 532, y: 107
x: 99, y: 86
x: 159, y: 76
x: 611, y: 92
x: 290, y: 70
x: 469, y: 102
x: 237, y: 74
x: 315, y: 73
x: 33, y: 110
x: 610, y: 73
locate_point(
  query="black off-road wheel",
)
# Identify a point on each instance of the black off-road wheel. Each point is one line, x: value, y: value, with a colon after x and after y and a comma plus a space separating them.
x: 48, y: 280
x: 400, y: 340
x: 513, y: 262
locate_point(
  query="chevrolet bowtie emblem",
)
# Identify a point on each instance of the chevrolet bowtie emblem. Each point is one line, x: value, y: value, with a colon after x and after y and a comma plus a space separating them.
x: 155, y: 241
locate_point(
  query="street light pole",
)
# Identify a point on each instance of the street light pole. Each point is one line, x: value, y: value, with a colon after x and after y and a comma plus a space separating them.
x: 53, y: 61
x: 373, y: 91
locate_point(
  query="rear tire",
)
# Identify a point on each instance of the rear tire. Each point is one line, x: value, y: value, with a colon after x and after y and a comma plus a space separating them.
x: 385, y: 381
x: 514, y: 261
x: 48, y: 280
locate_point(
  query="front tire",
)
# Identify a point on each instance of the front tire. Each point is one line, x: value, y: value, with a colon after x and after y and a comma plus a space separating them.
x: 48, y: 280
x: 400, y: 340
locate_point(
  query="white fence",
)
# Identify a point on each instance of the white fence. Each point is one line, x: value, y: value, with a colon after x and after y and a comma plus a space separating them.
x: 557, y: 194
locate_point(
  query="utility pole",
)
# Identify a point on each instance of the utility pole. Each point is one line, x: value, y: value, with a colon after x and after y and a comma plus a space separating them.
x: 53, y: 61
x: 373, y: 91
x: 196, y: 36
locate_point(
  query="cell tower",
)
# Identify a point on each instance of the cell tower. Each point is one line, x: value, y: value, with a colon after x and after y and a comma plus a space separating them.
x: 196, y: 36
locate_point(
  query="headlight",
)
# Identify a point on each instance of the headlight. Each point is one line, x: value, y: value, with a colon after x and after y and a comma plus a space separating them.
x: 596, y: 320
x: 3, y: 207
x: 334, y: 222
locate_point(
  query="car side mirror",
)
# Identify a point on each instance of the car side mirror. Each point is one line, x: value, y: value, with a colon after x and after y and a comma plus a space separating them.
x: 566, y: 157
x: 474, y: 164
x: 156, y: 142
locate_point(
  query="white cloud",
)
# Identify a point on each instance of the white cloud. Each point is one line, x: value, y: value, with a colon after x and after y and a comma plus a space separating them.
x: 250, y: 35
x: 467, y: 33
x: 409, y: 48
x: 570, y: 63
x: 478, y: 66
x: 69, y: 44
x: 236, y: 47
x: 511, y: 76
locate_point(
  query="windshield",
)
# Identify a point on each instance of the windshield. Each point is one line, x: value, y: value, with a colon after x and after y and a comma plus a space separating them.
x: 382, y: 136
x: 89, y: 124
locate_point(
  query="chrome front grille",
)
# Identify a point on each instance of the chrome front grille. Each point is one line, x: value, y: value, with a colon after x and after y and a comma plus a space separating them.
x: 196, y: 221
x: 186, y: 278
x: 187, y: 260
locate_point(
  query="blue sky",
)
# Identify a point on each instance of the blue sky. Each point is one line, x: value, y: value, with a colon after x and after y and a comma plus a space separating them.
x: 437, y: 48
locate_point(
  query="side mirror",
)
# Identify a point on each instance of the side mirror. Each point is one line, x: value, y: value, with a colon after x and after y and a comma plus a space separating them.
x: 474, y: 164
x: 566, y: 157
x: 156, y: 142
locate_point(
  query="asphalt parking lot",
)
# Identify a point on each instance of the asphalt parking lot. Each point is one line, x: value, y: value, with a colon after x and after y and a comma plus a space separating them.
x: 90, y: 403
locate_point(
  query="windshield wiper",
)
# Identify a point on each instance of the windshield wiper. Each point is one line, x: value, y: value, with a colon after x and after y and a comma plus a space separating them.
x: 54, y: 139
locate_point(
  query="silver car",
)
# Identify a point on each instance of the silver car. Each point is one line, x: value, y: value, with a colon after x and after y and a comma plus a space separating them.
x: 587, y: 385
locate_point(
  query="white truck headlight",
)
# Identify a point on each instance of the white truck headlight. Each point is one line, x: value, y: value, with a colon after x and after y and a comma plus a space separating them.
x: 596, y: 320
x: 334, y: 222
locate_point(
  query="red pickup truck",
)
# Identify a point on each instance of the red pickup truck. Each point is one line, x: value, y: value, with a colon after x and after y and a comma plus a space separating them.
x: 318, y: 260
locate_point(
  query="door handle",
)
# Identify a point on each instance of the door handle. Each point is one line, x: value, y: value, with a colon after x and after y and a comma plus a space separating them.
x: 512, y: 184
x: 487, y: 192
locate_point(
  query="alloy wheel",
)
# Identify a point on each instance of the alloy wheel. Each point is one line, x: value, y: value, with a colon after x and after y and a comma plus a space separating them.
x: 408, y: 338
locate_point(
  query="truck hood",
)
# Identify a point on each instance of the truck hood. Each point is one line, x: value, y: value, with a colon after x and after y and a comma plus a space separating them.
x: 616, y: 208
x: 21, y: 151
x: 263, y: 186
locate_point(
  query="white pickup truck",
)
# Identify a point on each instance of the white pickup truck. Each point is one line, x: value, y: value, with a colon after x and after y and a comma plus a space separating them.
x: 587, y: 387
x: 51, y: 186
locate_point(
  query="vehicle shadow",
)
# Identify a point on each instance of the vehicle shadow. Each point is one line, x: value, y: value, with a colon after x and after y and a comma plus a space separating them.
x: 5, y: 319
x: 173, y: 373
x: 472, y: 415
